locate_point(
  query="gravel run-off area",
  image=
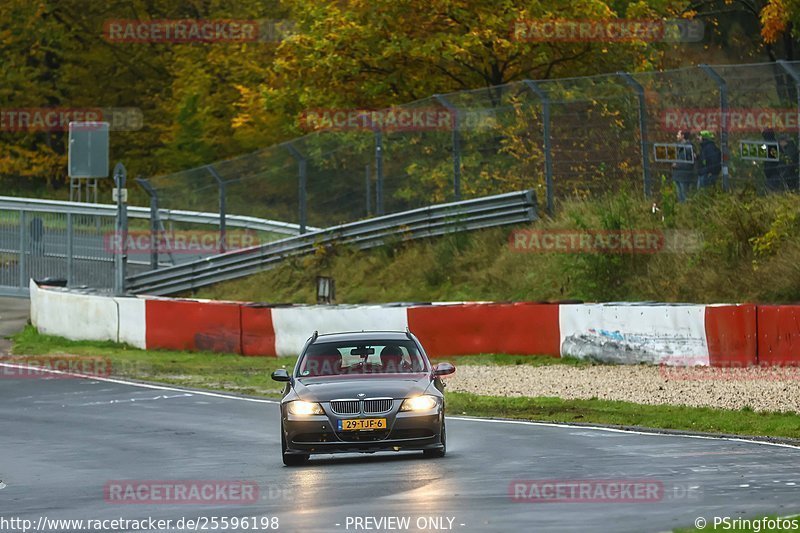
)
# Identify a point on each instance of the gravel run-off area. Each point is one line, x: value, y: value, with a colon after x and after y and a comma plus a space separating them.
x: 761, y: 389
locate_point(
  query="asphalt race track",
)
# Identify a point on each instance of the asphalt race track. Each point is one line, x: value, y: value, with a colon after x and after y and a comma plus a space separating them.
x: 63, y: 439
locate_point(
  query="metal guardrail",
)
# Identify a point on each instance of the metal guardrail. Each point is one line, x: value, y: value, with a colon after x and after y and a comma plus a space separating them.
x: 176, y: 215
x: 503, y: 209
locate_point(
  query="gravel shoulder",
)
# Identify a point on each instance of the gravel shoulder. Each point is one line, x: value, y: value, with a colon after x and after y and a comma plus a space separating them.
x: 760, y: 389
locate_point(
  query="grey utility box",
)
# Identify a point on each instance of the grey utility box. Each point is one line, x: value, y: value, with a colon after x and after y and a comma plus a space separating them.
x: 88, y: 149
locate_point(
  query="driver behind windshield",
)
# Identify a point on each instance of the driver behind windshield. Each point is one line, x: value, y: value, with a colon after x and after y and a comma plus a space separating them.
x: 392, y: 359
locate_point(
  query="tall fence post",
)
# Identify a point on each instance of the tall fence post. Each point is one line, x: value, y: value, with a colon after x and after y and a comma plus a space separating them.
x: 154, y: 240
x: 368, y: 190
x: 223, y: 195
x: 548, y: 156
x: 456, y: 145
x: 796, y: 77
x: 302, y: 185
x: 121, y: 256
x: 71, y: 252
x: 378, y: 172
x: 723, y: 110
x: 23, y: 249
x: 642, y: 129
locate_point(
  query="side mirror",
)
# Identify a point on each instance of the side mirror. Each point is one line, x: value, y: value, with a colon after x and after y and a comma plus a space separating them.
x: 280, y: 375
x: 443, y: 369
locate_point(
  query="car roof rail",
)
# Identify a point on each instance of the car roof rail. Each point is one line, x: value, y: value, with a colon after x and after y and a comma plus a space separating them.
x: 408, y: 334
x: 314, y: 336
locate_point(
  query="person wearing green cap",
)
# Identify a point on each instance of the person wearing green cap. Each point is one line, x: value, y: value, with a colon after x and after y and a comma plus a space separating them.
x: 709, y: 161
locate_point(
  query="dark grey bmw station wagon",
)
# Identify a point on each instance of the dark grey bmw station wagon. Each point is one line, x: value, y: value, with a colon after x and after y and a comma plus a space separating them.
x: 362, y: 392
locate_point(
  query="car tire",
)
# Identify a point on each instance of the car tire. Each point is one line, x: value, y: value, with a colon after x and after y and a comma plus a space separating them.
x: 439, y: 452
x: 291, y: 459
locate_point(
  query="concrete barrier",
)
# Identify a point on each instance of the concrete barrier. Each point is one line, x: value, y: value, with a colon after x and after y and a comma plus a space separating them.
x: 634, y: 333
x: 519, y: 328
x: 197, y: 325
x: 74, y: 315
x: 732, y: 335
x: 294, y: 325
x: 717, y: 335
x: 779, y: 335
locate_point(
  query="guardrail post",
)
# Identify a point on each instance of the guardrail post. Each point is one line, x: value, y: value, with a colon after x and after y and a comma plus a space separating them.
x: 723, y: 109
x: 548, y: 156
x: 456, y: 145
x: 796, y: 77
x: 70, y: 251
x: 153, y: 195
x: 121, y: 257
x: 642, y: 128
x: 378, y: 172
x: 222, y: 206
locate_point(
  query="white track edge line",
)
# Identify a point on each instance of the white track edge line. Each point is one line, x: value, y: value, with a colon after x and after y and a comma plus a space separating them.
x: 465, y: 419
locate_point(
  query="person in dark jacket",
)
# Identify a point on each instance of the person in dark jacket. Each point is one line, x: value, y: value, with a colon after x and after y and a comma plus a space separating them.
x: 789, y: 159
x: 773, y: 175
x: 683, y: 173
x: 709, y: 161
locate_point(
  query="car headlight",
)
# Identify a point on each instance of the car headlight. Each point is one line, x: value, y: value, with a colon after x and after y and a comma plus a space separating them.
x: 299, y: 407
x: 425, y: 402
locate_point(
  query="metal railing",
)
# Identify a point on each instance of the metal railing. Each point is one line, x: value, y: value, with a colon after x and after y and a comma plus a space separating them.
x: 166, y: 215
x: 499, y: 210
x: 71, y: 241
x: 581, y: 136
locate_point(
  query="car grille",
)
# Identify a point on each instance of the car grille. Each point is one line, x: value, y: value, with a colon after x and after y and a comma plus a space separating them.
x: 369, y: 406
x: 378, y: 405
x: 345, y: 407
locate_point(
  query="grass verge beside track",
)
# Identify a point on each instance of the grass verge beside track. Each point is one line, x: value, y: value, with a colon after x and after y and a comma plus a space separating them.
x: 251, y: 375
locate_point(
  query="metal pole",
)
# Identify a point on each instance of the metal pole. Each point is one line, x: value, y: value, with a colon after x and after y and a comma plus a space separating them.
x: 222, y: 206
x: 151, y: 192
x: 121, y: 257
x: 796, y: 77
x: 302, y: 185
x: 378, y: 172
x: 23, y: 248
x: 456, y: 145
x: 723, y: 109
x: 642, y: 129
x: 70, y: 252
x: 548, y: 157
x: 368, y: 189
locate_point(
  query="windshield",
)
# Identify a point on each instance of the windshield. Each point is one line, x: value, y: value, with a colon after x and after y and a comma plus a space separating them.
x: 372, y: 357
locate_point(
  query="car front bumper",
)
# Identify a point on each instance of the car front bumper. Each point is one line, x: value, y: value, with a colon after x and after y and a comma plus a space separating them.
x: 406, y: 431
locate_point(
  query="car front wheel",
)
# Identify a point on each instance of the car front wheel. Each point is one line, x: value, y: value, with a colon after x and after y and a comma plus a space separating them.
x: 440, y: 452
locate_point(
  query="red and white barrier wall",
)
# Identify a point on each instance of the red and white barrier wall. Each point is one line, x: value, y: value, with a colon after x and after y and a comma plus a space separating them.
x: 717, y: 335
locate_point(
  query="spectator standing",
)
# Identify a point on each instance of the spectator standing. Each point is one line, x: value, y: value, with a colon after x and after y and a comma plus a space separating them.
x: 683, y: 172
x: 773, y: 173
x: 789, y: 159
x: 709, y: 161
